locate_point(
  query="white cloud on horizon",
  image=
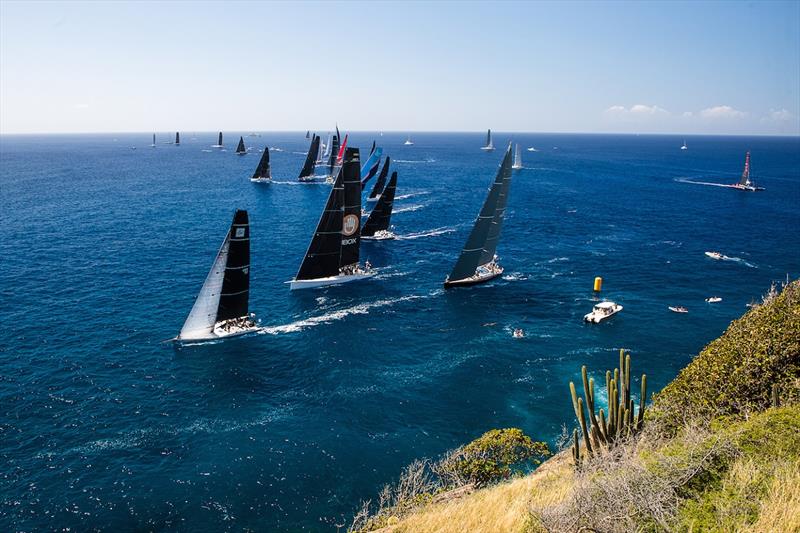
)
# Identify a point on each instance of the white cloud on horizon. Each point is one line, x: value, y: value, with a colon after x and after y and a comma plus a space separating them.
x: 779, y: 115
x: 639, y: 110
x: 722, y: 112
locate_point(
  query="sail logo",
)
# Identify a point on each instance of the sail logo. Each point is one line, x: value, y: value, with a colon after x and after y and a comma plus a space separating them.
x: 346, y: 242
x: 349, y: 225
x: 239, y: 232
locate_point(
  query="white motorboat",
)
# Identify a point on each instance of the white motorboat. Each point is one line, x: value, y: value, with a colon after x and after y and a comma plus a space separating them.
x: 684, y: 147
x: 713, y: 299
x: 408, y: 142
x: 602, y: 311
x: 716, y: 255
x: 678, y: 309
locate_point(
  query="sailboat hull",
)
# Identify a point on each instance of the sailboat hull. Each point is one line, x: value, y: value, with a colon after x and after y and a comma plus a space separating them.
x: 473, y: 280
x: 213, y: 337
x: 261, y: 180
x: 297, y: 284
x: 381, y: 235
x: 487, y: 148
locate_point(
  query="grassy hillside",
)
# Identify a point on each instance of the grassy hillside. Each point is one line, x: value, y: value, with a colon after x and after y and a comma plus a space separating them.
x: 715, y: 453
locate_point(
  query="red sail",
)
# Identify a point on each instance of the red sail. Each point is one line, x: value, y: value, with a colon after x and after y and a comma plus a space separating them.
x: 341, y: 152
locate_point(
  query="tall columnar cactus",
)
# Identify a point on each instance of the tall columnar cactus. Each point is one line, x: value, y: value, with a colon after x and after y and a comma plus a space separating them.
x: 622, y: 420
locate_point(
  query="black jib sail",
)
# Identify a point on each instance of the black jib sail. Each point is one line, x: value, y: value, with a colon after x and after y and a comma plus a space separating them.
x: 380, y: 217
x: 482, y: 241
x: 263, y: 170
x: 177, y: 137
x: 235, y: 293
x: 488, y: 137
x: 308, y: 167
x: 378, y: 187
x: 240, y: 149
x: 351, y: 221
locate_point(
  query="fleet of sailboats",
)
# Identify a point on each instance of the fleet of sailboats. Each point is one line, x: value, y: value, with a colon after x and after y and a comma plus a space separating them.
x: 478, y: 262
x: 222, y: 307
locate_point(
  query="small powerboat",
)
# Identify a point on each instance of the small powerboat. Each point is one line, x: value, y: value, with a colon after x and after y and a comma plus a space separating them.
x: 715, y: 255
x: 713, y: 299
x: 602, y: 311
x: 678, y: 309
x: 518, y: 333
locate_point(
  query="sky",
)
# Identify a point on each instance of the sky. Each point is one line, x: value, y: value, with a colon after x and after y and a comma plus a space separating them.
x: 649, y: 67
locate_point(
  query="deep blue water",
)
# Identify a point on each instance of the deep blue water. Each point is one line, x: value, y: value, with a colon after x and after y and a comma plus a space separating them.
x: 104, y: 249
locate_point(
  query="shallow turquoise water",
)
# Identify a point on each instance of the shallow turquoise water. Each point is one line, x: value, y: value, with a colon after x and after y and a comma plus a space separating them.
x: 104, y: 249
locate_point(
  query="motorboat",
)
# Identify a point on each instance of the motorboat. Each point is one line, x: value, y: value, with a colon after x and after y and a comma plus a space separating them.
x: 716, y: 255
x: 602, y: 311
x: 678, y: 309
x: 713, y: 299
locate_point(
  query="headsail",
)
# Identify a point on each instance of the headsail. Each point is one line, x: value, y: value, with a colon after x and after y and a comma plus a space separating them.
x: 378, y: 188
x: 482, y: 241
x: 263, y: 170
x: 745, y: 179
x: 334, y: 153
x: 308, y: 167
x: 225, y: 291
x: 240, y: 149
x: 370, y: 167
x: 380, y: 217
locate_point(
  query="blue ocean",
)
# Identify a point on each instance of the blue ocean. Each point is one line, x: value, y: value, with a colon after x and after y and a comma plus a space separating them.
x: 104, y: 248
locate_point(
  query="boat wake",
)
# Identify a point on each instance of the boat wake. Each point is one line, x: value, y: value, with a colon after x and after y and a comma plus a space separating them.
x: 515, y: 276
x: 411, y: 195
x: 298, y: 182
x: 429, y: 233
x: 738, y: 260
x: 413, y: 161
x: 415, y: 207
x: 708, y: 183
x: 360, y: 309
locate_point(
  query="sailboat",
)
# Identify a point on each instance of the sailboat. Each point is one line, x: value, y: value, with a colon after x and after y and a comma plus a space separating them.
x: 240, y: 149
x: 334, y: 153
x: 744, y: 182
x: 307, y: 134
x: 377, y: 224
x: 517, y: 159
x: 409, y: 142
x: 336, y: 165
x: 263, y: 174
x: 371, y: 165
x: 221, y: 307
x: 378, y: 188
x: 320, y: 159
x: 333, y: 254
x: 307, y: 172
x: 154, y: 141
x: 489, y: 144
x: 478, y: 262
x: 219, y: 142
x: 684, y: 147
x: 177, y: 137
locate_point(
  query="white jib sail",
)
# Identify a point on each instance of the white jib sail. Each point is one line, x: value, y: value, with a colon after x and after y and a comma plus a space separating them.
x: 200, y: 322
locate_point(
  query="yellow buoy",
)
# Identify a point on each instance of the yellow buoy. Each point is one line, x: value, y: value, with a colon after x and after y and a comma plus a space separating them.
x: 598, y: 284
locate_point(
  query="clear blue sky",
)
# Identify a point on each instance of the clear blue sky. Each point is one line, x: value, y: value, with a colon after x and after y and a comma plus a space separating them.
x: 721, y: 67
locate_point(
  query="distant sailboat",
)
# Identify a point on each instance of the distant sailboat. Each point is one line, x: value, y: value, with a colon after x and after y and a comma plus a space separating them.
x: 478, y: 262
x: 745, y: 184
x: 263, y: 174
x: 489, y: 143
x: 377, y: 224
x: 221, y: 308
x: 684, y: 147
x: 377, y: 189
x: 409, y: 142
x: 240, y: 149
x: 177, y: 137
x: 333, y: 254
x: 154, y: 141
x: 307, y: 172
x: 219, y: 142
x: 517, y: 159
x: 307, y: 134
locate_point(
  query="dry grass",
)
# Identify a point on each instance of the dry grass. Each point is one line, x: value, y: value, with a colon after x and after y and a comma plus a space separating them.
x: 780, y: 509
x: 501, y: 508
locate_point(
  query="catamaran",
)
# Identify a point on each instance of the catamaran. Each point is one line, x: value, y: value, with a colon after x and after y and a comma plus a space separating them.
x: 219, y: 142
x: 240, y: 149
x: 409, y: 142
x: 377, y: 225
x: 489, y: 143
x: 377, y: 189
x: 263, y: 174
x: 517, y: 159
x: 333, y: 254
x: 307, y: 172
x: 177, y: 137
x: 744, y: 182
x: 221, y: 307
x: 478, y: 262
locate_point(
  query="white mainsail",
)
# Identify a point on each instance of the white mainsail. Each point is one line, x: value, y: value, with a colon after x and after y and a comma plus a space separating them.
x: 517, y: 159
x: 200, y: 322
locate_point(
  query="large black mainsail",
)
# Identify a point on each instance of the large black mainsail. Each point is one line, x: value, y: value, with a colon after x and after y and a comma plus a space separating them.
x: 177, y: 137
x: 380, y: 217
x: 263, y: 171
x: 219, y: 140
x: 351, y: 221
x: 334, y: 153
x: 240, y: 149
x: 235, y: 293
x: 308, y: 167
x: 482, y: 242
x: 378, y: 187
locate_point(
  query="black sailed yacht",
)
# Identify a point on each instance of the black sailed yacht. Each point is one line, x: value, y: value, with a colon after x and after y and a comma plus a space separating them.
x: 219, y: 142
x: 240, y: 149
x: 333, y: 254
x: 489, y: 147
x: 177, y: 138
x: 378, y: 187
x: 307, y: 172
x: 221, y: 307
x: 745, y: 184
x: 263, y: 173
x: 478, y: 262
x: 377, y: 225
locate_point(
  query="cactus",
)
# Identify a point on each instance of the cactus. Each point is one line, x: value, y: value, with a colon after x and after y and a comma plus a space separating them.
x: 622, y: 419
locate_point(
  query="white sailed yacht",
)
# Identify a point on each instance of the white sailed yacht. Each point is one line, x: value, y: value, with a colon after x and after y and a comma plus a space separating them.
x: 517, y: 159
x: 489, y: 143
x: 333, y: 254
x: 408, y: 142
x: 221, y: 307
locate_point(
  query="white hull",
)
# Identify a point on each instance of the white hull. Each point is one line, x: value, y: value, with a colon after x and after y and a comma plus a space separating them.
x: 478, y: 277
x: 487, y: 148
x: 296, y: 284
x: 716, y: 255
x: 261, y: 180
x: 516, y: 167
x: 379, y: 236
x: 598, y: 315
x: 217, y: 146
